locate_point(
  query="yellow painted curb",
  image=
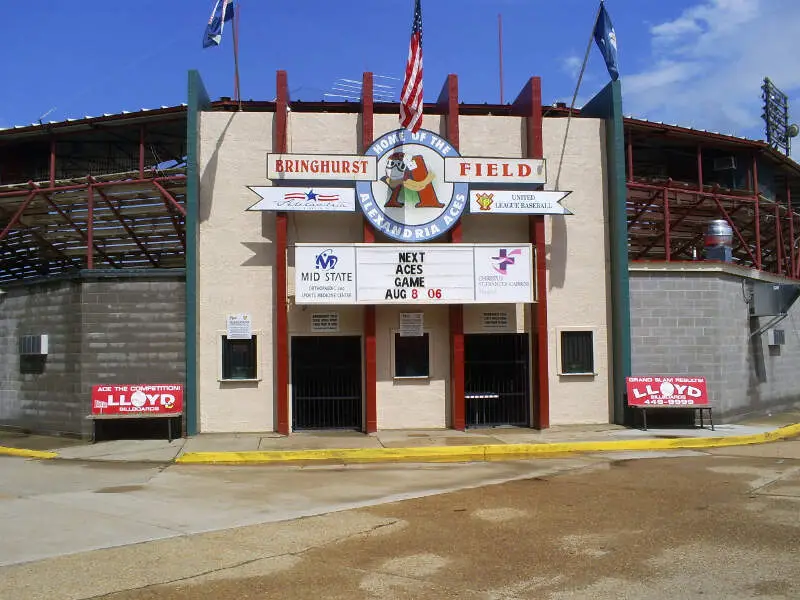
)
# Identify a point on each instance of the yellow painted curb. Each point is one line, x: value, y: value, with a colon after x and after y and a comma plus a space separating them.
x: 25, y: 453
x: 476, y: 453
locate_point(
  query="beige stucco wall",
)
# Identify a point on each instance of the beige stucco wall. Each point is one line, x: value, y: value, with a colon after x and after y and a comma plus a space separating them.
x: 236, y: 264
x: 577, y: 267
x: 413, y: 403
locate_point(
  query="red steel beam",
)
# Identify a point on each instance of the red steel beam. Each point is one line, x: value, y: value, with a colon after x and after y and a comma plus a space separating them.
x: 778, y: 239
x: 280, y: 145
x: 647, y: 186
x: 141, y: 151
x: 83, y: 186
x: 52, y: 161
x: 630, y: 156
x: 667, y: 240
x: 127, y: 228
x: 90, y: 228
x: 39, y: 238
x: 792, y: 260
x: 700, y: 168
x: 735, y: 229
x: 169, y: 197
x: 646, y: 205
x: 370, y: 339
x: 18, y: 214
x: 75, y: 226
x: 757, y: 216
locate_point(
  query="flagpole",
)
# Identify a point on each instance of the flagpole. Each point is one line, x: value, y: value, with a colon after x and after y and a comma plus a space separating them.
x: 236, y: 91
x: 575, y: 95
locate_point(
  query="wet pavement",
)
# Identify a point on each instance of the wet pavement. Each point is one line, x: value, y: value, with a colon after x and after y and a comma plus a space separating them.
x: 714, y: 524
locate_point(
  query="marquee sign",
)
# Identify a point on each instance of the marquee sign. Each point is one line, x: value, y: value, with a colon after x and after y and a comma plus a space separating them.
x: 412, y: 201
x: 517, y: 202
x: 419, y: 274
x: 658, y: 391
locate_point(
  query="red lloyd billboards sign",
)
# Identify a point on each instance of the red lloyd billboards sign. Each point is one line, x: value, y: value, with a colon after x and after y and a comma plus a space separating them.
x: 667, y: 391
x: 145, y: 400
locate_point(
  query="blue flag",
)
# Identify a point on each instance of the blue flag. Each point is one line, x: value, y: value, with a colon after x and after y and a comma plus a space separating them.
x: 606, y: 40
x: 223, y: 11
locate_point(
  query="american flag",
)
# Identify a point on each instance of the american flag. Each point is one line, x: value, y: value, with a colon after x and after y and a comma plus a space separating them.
x: 411, y: 96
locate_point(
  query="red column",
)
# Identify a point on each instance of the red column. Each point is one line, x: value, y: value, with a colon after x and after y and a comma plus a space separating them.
x: 90, y: 227
x: 448, y: 98
x: 370, y: 343
x: 757, y: 214
x: 792, y: 268
x: 529, y: 104
x: 281, y: 315
x: 667, y: 240
x: 52, y: 162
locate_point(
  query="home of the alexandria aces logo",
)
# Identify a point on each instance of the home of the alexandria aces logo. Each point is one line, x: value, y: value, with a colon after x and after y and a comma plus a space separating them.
x: 411, y: 201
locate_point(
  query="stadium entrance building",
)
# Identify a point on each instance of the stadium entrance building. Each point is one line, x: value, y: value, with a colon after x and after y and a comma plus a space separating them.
x: 348, y: 274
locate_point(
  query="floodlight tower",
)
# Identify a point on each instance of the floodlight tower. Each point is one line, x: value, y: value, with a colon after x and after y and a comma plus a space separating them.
x: 776, y: 117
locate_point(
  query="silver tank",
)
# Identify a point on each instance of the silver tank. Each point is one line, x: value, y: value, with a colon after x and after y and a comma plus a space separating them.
x: 719, y: 233
x: 719, y: 241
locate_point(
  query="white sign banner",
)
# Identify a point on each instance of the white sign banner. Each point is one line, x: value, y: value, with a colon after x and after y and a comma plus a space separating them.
x: 494, y: 170
x: 305, y: 199
x: 510, y: 202
x: 239, y: 327
x: 414, y: 274
x: 329, y: 167
x: 327, y: 322
x: 411, y: 324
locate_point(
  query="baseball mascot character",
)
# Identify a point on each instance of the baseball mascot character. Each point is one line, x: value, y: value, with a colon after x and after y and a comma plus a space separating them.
x: 410, y: 174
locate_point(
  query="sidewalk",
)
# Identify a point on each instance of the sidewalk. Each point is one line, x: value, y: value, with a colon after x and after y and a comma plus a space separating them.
x: 406, y: 446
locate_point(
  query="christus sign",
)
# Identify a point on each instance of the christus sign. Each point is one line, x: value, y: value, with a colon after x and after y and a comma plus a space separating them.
x: 666, y: 391
x: 126, y: 399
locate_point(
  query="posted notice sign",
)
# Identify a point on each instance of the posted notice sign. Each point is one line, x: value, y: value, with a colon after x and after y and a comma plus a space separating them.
x: 666, y: 391
x: 418, y: 274
x: 137, y: 400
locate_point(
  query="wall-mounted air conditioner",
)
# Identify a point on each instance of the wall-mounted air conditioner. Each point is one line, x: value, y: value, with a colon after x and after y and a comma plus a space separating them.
x: 776, y: 337
x: 725, y: 163
x: 33, y: 345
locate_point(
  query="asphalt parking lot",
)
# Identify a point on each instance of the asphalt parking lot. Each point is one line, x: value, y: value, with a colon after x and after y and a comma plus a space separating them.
x: 720, y: 524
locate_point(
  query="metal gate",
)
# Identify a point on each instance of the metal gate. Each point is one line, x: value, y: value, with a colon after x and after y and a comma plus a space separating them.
x: 497, y: 379
x: 326, y: 382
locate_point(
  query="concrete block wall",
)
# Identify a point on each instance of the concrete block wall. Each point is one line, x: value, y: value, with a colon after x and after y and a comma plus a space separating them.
x: 124, y: 328
x: 695, y: 321
x: 49, y: 401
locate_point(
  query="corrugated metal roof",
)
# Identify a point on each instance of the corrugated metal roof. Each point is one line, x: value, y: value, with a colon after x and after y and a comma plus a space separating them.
x: 73, y: 121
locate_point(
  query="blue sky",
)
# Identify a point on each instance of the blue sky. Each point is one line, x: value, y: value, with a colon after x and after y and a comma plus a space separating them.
x: 692, y: 62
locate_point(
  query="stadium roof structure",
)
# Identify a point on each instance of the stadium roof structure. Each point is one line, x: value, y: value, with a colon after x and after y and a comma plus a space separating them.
x: 110, y: 191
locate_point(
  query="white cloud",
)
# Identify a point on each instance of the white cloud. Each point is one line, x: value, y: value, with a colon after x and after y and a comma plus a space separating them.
x: 571, y: 65
x: 708, y: 65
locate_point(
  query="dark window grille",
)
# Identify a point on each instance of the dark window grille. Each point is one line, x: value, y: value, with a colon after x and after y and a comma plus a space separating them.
x: 239, y: 358
x: 412, y: 356
x: 497, y: 376
x: 577, y: 352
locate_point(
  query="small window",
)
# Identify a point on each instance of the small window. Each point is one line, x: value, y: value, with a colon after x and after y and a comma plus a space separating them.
x: 577, y: 353
x: 239, y: 358
x: 411, y: 356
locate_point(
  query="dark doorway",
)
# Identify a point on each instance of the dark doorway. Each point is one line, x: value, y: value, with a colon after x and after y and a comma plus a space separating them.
x: 497, y: 380
x: 326, y: 382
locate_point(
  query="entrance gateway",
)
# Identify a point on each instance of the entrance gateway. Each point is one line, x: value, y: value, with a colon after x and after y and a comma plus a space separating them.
x: 412, y: 188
